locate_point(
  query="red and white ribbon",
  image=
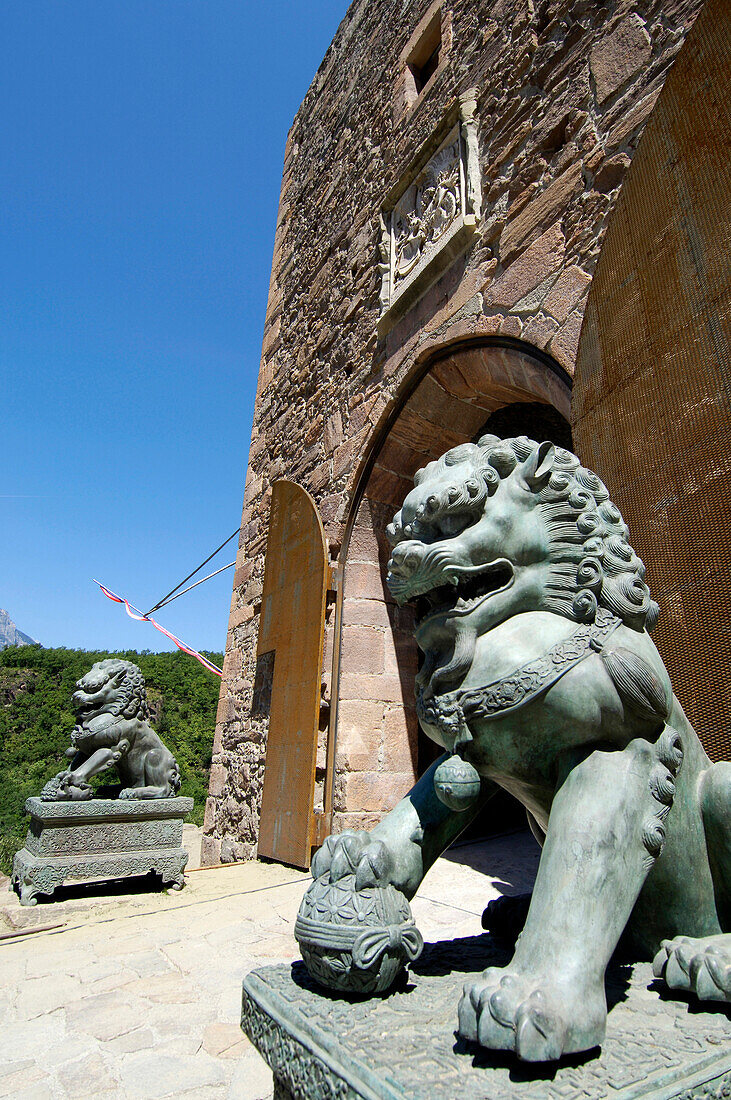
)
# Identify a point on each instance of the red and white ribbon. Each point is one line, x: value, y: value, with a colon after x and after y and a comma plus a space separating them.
x: 135, y: 613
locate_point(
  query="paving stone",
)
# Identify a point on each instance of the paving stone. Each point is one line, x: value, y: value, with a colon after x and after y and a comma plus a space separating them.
x: 140, y: 1038
x: 224, y: 1040
x: 105, y: 1016
x: 154, y: 1075
x: 38, y: 996
x: 86, y: 1075
x: 148, y: 963
x: 252, y: 1078
x: 170, y: 988
x: 25, y: 1038
x: 24, y: 1075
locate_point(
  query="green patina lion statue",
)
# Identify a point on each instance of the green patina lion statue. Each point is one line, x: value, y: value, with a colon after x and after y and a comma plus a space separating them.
x: 540, y: 677
x: 112, y: 728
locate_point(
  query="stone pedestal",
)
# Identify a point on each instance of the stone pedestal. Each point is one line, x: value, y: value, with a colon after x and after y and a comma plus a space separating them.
x: 404, y: 1045
x: 100, y: 839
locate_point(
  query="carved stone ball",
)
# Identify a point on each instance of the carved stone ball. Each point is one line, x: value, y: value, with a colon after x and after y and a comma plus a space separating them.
x: 355, y: 941
x: 456, y: 783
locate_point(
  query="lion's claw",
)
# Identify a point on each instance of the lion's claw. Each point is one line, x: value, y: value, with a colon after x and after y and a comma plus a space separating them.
x: 701, y: 966
x: 503, y: 1010
x: 352, y: 853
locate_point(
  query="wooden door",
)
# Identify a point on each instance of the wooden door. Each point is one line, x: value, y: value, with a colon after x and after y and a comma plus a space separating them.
x: 289, y: 671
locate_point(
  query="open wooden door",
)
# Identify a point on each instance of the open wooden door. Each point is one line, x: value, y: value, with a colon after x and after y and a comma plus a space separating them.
x: 289, y: 671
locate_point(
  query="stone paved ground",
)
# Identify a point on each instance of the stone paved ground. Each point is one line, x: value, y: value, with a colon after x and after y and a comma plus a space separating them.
x: 137, y: 995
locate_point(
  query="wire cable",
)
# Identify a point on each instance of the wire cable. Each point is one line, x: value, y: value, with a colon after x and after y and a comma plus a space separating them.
x: 196, y: 570
x: 195, y: 585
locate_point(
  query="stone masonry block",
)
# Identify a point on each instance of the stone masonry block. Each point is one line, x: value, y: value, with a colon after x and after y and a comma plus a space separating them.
x: 210, y: 851
x: 217, y: 781
x: 566, y: 341
x: 529, y: 270
x: 362, y: 650
x: 401, y: 654
x: 364, y: 580
x: 357, y: 821
x: 565, y: 292
x: 546, y: 206
x: 364, y: 545
x: 619, y: 55
x: 366, y: 613
x: 375, y: 791
x: 400, y: 735
x: 388, y: 689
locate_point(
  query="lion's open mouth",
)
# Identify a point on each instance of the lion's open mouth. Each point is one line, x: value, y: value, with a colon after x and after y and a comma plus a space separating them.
x: 467, y: 591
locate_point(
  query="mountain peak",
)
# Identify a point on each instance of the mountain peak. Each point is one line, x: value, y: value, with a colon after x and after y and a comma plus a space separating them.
x: 9, y: 633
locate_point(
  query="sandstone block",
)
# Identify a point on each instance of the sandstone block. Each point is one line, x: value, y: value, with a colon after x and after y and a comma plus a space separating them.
x: 619, y: 55
x: 512, y: 326
x: 529, y: 270
x: 375, y: 791
x: 611, y: 173
x: 401, y: 654
x: 363, y: 580
x: 210, y: 851
x: 388, y: 689
x: 363, y: 650
x: 540, y: 330
x: 217, y: 780
x: 565, y: 343
x: 565, y: 292
x: 345, y: 820
x: 400, y: 735
x: 542, y: 209
x: 366, y: 613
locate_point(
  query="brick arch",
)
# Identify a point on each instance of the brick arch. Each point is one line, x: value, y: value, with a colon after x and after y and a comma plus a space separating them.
x: 449, y: 397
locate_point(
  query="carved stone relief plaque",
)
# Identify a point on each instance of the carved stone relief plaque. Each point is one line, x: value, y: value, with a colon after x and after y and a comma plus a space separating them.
x: 432, y: 218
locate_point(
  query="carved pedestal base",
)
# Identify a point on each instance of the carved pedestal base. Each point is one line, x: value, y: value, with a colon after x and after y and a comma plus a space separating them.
x: 404, y: 1045
x: 99, y: 840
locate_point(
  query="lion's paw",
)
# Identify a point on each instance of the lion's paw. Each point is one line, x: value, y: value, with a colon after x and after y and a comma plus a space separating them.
x: 538, y: 1019
x: 354, y: 853
x: 701, y: 966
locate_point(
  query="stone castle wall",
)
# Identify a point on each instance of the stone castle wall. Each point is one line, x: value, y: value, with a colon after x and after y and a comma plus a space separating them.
x: 562, y: 91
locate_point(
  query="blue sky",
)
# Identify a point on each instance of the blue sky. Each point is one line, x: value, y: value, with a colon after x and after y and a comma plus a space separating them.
x: 142, y: 156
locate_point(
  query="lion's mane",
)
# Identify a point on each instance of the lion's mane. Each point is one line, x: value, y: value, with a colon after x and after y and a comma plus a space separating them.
x: 592, y: 563
x: 131, y: 697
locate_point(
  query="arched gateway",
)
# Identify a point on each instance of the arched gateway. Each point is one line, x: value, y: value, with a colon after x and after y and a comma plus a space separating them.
x: 438, y: 230
x: 374, y: 751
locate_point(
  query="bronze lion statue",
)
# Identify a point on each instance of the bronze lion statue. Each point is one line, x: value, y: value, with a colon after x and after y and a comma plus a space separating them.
x: 540, y: 677
x: 113, y: 729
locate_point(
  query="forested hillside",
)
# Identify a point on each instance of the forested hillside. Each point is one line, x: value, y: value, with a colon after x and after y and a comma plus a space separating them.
x: 36, y: 719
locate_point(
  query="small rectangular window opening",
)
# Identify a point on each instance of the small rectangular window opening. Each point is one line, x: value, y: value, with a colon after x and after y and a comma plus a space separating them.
x: 424, y: 59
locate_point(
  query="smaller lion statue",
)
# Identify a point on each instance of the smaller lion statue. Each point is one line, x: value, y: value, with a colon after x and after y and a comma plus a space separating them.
x: 113, y: 729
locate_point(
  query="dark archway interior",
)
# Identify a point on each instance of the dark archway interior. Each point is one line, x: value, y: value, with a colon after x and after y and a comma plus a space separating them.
x: 537, y: 421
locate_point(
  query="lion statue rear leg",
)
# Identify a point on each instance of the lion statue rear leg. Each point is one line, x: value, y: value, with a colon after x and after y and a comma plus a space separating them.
x: 702, y: 965
x: 604, y: 832
x: 157, y: 775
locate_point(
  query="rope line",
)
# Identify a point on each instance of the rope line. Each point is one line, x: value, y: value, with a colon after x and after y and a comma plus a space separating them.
x: 136, y: 614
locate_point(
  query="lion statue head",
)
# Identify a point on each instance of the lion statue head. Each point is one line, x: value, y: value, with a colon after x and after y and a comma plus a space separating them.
x: 113, y: 687
x: 503, y: 526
